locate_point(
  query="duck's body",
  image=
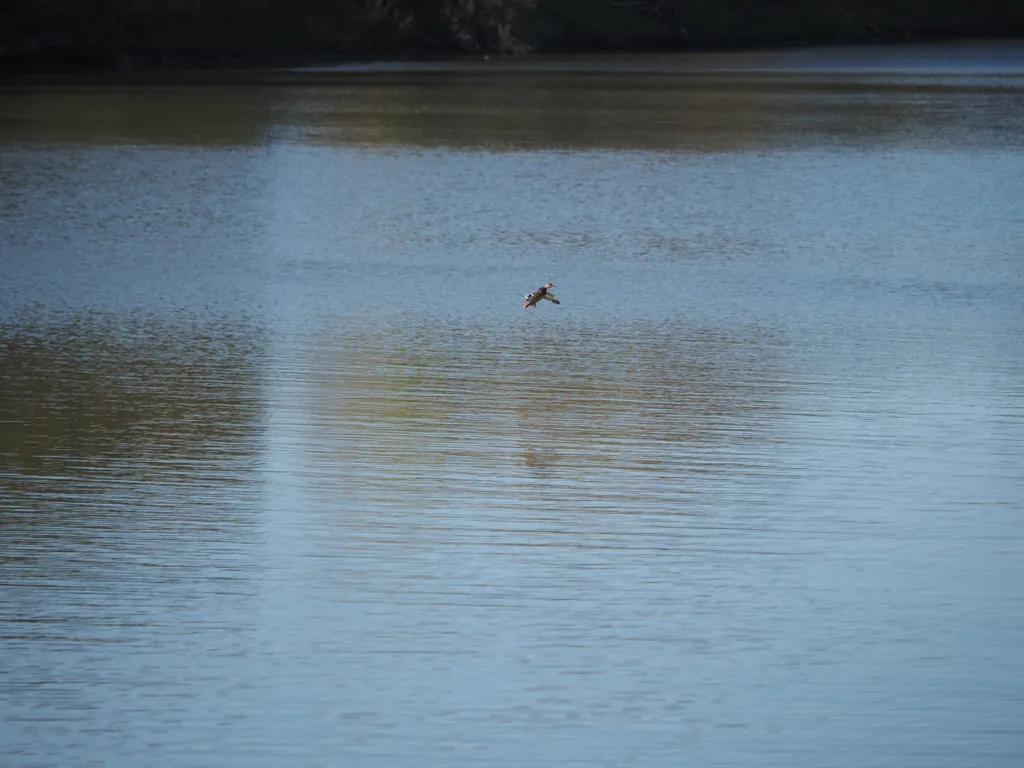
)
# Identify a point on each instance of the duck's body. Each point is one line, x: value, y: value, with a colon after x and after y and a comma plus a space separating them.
x: 540, y: 293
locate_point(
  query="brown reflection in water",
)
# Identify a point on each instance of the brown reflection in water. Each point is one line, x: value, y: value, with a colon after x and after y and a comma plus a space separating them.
x: 91, y: 390
x: 121, y: 439
x: 692, y: 112
x: 542, y: 111
x: 128, y: 478
x: 136, y: 112
x: 420, y: 422
x: 510, y: 109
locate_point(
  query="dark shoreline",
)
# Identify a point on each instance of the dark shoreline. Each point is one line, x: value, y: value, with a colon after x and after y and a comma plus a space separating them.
x: 62, y: 36
x: 50, y: 63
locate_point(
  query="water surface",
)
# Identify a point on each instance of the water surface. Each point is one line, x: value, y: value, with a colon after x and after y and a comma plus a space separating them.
x: 289, y: 477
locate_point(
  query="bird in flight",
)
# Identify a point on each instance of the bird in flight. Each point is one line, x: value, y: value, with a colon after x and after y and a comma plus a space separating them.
x: 540, y: 293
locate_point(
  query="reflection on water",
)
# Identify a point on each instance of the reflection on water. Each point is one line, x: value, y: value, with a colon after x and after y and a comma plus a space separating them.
x: 604, y: 414
x: 89, y: 389
x: 287, y: 475
x: 923, y: 96
x: 123, y: 446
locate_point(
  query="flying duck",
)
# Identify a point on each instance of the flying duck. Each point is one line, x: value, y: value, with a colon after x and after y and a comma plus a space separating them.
x: 540, y: 293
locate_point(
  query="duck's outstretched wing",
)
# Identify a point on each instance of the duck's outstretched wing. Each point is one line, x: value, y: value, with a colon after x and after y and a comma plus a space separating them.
x: 551, y: 298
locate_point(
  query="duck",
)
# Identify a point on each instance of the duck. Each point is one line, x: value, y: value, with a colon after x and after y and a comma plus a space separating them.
x: 540, y: 293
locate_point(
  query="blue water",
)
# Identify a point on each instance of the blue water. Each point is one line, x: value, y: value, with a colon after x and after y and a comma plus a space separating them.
x: 288, y: 476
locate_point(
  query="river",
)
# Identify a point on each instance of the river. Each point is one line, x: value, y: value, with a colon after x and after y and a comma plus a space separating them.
x: 289, y: 477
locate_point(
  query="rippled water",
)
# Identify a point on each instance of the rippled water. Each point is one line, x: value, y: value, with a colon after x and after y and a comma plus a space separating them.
x: 288, y: 476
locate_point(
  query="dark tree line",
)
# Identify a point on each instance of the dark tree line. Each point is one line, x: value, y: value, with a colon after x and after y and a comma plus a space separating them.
x: 104, y: 32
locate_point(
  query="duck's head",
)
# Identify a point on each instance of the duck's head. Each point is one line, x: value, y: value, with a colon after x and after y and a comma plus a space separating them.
x: 549, y: 285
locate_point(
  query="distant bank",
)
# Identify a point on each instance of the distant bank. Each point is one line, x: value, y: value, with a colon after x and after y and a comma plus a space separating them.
x: 108, y: 34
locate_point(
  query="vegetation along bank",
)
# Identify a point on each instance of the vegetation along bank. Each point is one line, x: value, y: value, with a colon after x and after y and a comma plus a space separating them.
x: 114, y: 33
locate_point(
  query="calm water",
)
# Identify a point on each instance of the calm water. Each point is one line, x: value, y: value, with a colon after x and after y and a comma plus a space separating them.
x: 288, y: 476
